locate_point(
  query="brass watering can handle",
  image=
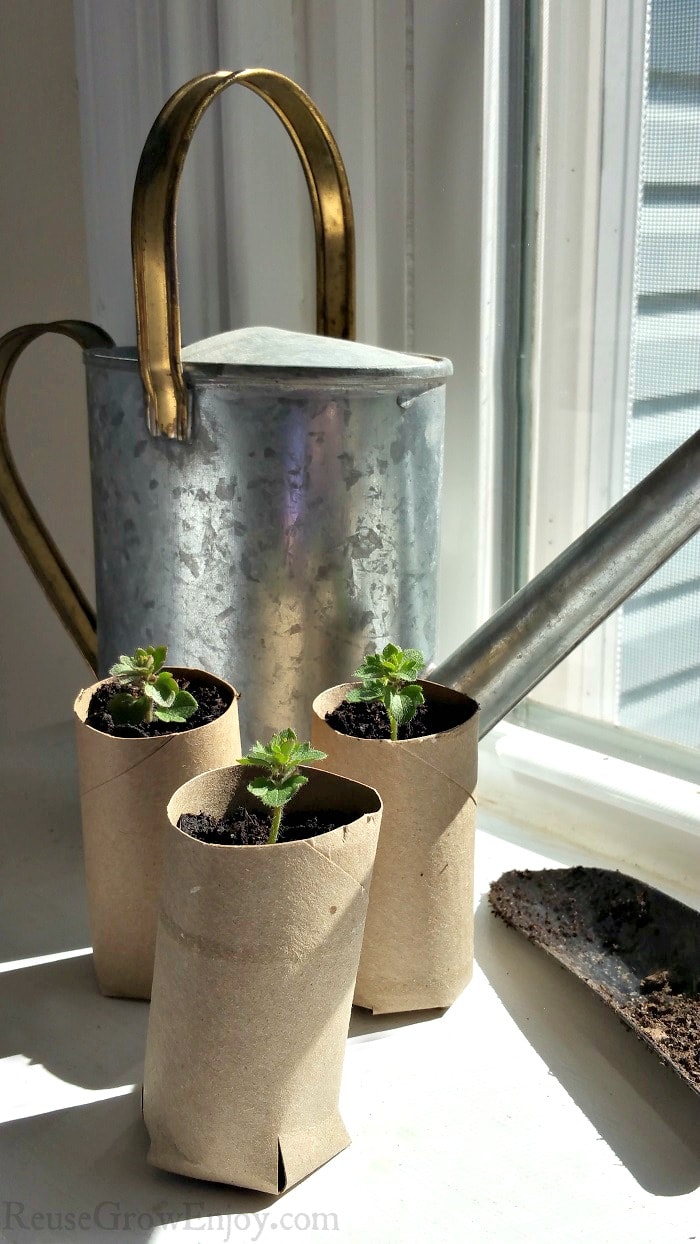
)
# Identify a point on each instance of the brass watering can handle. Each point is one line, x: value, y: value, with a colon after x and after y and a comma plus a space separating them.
x: 66, y: 596
x: 153, y: 229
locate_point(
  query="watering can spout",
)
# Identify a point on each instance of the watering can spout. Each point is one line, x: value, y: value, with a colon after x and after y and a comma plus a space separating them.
x: 539, y: 626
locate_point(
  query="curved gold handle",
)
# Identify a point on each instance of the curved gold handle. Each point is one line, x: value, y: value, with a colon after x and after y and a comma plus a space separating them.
x: 66, y: 596
x: 153, y: 229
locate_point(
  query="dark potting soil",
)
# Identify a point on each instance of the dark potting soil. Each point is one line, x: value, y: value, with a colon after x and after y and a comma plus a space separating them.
x: 243, y: 828
x: 371, y: 720
x: 633, y: 945
x: 212, y: 700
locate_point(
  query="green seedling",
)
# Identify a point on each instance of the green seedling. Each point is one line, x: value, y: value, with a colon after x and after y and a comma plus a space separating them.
x: 150, y: 691
x: 281, y: 780
x: 390, y: 676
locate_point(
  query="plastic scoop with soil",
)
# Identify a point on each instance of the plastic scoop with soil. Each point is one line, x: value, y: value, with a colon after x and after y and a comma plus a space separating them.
x: 635, y: 947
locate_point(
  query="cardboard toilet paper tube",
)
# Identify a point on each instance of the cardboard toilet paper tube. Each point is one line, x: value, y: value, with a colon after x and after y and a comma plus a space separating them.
x: 125, y: 785
x: 256, y: 960
x: 419, y: 945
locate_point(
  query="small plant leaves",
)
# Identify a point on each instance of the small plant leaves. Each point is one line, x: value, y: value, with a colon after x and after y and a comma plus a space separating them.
x: 165, y: 683
x: 127, y: 710
x: 185, y: 703
x: 140, y: 709
x: 402, y: 705
x: 372, y: 666
x: 414, y: 693
x: 280, y: 779
x: 181, y: 708
x: 281, y: 746
x: 151, y: 685
x: 282, y: 753
x: 414, y: 657
x: 257, y: 755
x: 372, y: 689
x: 119, y: 708
x: 396, y: 706
x: 390, y: 676
x: 159, y: 655
x: 277, y: 795
x: 123, y: 668
x: 163, y: 691
x: 305, y: 754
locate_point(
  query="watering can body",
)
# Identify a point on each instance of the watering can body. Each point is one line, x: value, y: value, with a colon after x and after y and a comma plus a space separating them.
x: 296, y: 527
x: 264, y: 502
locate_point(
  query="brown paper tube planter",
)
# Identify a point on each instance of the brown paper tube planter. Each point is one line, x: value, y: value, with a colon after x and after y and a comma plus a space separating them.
x: 125, y: 785
x: 256, y: 959
x: 418, y: 946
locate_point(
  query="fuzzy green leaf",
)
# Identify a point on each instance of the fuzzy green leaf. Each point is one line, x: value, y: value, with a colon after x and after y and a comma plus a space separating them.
x: 305, y: 754
x: 414, y: 656
x: 159, y: 655
x: 276, y: 795
x: 402, y: 704
x: 166, y: 682
x: 123, y: 668
x: 279, y: 758
x: 282, y: 746
x: 126, y: 710
x: 372, y: 689
x: 284, y: 751
x: 389, y: 668
x: 140, y: 709
x: 163, y: 691
x: 119, y: 708
x: 408, y: 671
x: 371, y: 667
x: 414, y: 693
x: 182, y: 707
x: 258, y: 754
x: 396, y: 706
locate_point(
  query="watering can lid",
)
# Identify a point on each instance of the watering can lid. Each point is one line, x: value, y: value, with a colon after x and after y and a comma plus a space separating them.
x: 280, y: 360
x: 277, y: 348
x: 267, y: 351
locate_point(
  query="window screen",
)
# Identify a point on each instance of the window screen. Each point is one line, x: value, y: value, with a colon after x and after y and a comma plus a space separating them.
x: 658, y: 667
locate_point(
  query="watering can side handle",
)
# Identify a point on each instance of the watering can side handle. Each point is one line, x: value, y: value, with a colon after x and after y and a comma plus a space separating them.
x: 46, y: 562
x: 153, y: 229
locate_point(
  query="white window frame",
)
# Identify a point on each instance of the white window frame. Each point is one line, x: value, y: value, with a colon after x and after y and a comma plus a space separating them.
x: 628, y: 798
x: 592, y: 75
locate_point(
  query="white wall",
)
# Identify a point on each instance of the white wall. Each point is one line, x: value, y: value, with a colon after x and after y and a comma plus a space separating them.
x: 44, y: 276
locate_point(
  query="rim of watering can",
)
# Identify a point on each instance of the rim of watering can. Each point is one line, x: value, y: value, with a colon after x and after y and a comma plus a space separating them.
x: 262, y: 355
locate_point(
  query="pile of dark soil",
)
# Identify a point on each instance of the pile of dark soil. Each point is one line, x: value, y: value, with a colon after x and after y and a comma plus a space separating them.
x: 241, y: 827
x: 638, y: 949
x: 371, y: 721
x: 212, y: 700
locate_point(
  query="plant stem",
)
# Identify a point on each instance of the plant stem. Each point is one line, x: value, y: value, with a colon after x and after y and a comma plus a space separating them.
x: 275, y: 827
x: 394, y: 726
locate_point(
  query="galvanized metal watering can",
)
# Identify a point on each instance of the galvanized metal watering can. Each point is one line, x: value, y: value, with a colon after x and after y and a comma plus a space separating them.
x: 267, y: 503
x: 271, y: 508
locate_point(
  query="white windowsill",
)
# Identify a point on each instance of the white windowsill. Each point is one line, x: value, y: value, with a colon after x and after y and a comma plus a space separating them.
x: 524, y: 1113
x: 632, y: 817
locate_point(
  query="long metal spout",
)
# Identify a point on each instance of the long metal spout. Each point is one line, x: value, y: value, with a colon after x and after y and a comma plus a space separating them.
x: 512, y: 652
